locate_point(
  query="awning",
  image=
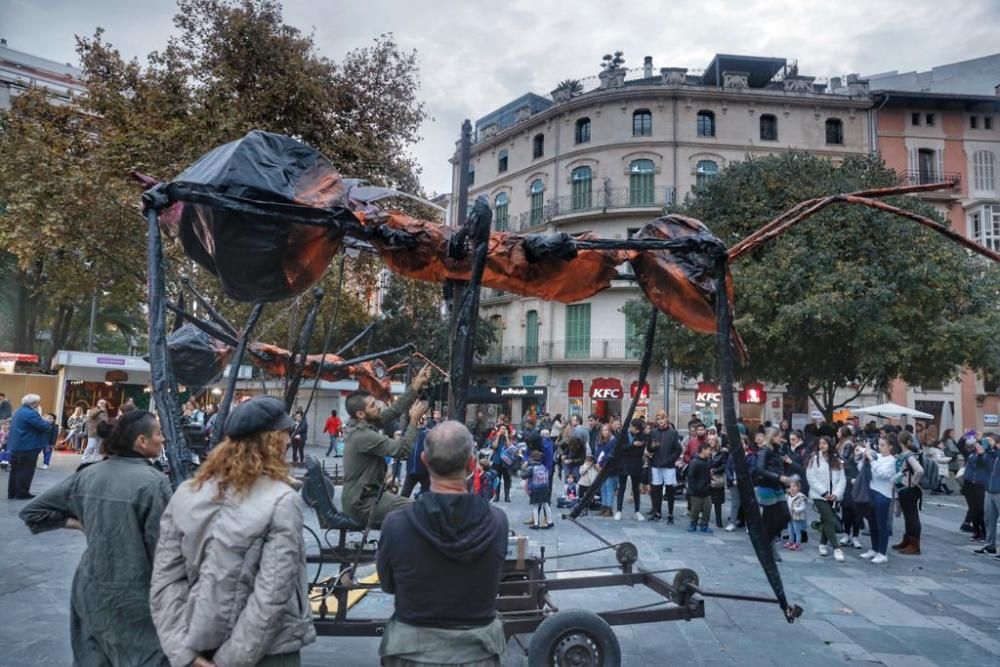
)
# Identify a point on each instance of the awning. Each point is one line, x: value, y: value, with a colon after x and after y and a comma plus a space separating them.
x: 19, y: 358
x: 891, y: 411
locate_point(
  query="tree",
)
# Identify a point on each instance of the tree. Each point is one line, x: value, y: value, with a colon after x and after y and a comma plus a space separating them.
x: 71, y: 223
x: 850, y: 298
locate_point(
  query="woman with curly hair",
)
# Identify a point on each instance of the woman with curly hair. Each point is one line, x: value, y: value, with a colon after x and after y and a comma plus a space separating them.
x: 229, y: 581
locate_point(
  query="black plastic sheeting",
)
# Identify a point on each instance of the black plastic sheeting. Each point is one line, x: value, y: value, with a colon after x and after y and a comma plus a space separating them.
x: 197, y: 359
x: 245, y: 197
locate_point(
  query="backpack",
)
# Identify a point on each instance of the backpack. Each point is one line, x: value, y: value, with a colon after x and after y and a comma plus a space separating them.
x: 509, y: 455
x: 539, y: 478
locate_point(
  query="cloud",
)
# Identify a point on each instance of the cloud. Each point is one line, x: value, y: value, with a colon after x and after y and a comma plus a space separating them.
x: 475, y: 56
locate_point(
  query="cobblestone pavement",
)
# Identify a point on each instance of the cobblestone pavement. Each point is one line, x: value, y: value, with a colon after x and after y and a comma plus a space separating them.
x: 941, y: 608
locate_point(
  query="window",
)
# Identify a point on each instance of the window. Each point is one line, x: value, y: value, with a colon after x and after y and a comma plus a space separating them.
x: 914, y: 118
x: 633, y: 340
x: 642, y: 123
x: 500, y: 217
x: 640, y: 182
x: 973, y: 122
x: 578, y: 331
x: 502, y: 161
x: 987, y: 122
x: 929, y: 118
x: 582, y: 133
x: 581, y: 184
x: 983, y: 170
x: 538, y: 146
x: 986, y: 227
x: 494, y: 352
x: 925, y: 165
x: 472, y: 175
x: 537, y: 205
x: 705, y: 170
x: 531, y: 337
x: 834, y: 131
x: 706, y: 124
x: 768, y: 128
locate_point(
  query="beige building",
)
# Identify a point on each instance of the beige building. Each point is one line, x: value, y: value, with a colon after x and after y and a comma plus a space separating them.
x: 608, y: 157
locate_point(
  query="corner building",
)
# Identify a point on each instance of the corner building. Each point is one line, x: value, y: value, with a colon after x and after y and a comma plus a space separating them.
x: 608, y: 157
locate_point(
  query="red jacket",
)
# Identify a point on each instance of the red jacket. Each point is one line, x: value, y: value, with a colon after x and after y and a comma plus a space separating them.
x: 333, y: 426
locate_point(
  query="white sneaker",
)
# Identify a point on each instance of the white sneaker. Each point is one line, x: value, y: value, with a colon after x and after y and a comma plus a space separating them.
x: 856, y: 543
x: 618, y: 516
x: 823, y: 551
x: 869, y: 554
x: 880, y: 558
x: 844, y: 541
x: 639, y: 516
x: 838, y: 555
x: 730, y: 527
x: 45, y: 466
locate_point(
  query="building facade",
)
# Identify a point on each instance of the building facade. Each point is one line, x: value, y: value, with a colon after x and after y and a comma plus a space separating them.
x: 20, y: 71
x: 934, y: 136
x: 607, y: 156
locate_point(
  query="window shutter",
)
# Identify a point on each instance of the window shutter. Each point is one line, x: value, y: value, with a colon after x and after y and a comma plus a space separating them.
x: 939, y: 173
x: 914, y: 166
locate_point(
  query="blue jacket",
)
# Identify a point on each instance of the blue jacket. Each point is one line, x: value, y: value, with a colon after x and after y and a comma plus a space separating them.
x: 608, y: 449
x: 548, y: 454
x: 28, y: 430
x: 992, y: 457
x: 976, y: 470
x: 415, y: 466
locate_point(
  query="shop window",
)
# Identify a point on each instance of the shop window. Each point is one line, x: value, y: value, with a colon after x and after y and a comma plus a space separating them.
x: 578, y: 331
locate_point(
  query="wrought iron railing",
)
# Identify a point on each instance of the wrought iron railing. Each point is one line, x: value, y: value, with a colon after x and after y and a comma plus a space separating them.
x: 584, y: 201
x: 597, y: 349
x: 926, y: 176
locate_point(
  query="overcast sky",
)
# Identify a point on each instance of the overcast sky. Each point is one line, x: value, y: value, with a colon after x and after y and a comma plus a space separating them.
x: 476, y: 56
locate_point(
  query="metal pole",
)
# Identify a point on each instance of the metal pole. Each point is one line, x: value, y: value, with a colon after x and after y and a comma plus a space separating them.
x: 302, y: 351
x: 93, y: 321
x: 234, y: 371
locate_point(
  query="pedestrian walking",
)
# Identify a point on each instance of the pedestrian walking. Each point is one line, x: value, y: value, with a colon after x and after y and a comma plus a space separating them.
x: 96, y: 416
x: 28, y: 436
x: 334, y: 428
x: 770, y: 482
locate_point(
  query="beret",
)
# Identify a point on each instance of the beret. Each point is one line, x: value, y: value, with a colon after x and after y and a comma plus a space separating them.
x: 261, y: 413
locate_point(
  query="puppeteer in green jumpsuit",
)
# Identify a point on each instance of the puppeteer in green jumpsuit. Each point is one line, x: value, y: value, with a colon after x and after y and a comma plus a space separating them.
x: 117, y: 503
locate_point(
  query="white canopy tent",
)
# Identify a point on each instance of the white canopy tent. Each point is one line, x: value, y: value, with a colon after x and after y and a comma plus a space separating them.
x: 891, y: 411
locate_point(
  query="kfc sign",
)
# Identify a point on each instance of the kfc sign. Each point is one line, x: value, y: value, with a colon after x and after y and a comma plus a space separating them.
x: 606, y: 389
x: 753, y: 393
x: 707, y: 394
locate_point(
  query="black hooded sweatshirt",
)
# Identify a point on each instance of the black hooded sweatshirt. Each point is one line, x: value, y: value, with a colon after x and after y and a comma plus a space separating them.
x: 442, y: 557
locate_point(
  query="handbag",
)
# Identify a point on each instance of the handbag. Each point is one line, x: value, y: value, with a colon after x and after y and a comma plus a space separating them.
x: 861, y: 490
x: 718, y: 481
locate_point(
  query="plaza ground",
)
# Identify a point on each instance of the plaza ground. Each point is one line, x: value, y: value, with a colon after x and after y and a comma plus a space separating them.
x: 941, y: 608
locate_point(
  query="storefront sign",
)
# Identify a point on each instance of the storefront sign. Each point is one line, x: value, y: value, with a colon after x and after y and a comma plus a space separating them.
x: 753, y: 392
x: 991, y: 420
x: 707, y: 394
x: 575, y: 389
x: 606, y: 389
x: 519, y: 392
x: 111, y: 361
x: 116, y: 376
x: 645, y: 391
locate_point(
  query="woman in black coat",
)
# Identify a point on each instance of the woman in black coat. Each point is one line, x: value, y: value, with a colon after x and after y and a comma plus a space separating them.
x: 769, y: 485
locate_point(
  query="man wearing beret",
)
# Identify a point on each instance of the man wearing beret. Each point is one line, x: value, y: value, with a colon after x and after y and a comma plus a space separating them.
x: 366, y: 447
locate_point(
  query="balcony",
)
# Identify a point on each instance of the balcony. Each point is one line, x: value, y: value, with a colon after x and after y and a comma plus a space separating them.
x: 924, y: 177
x: 560, y: 351
x: 599, y: 200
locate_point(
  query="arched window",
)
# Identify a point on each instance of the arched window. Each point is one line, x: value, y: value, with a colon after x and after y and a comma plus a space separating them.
x: 582, y: 133
x: 531, y: 336
x: 642, y: 123
x: 538, y: 146
x: 537, y: 190
x: 500, y: 216
x: 640, y: 182
x: 502, y: 161
x: 768, y: 127
x: 705, y: 170
x: 706, y: 124
x: 581, y: 183
x: 834, y: 131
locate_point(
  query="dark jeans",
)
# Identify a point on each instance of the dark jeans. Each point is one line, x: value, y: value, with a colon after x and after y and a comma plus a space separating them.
x: 854, y: 518
x: 975, y: 494
x: 657, y: 494
x: 828, y: 522
x: 414, y: 478
x: 636, y: 478
x: 22, y: 471
x: 298, y: 450
x: 504, y: 473
x: 881, y: 521
x: 909, y: 499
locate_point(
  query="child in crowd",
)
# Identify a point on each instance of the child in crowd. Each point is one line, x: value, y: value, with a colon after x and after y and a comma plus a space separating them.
x: 571, y: 488
x: 4, y: 454
x: 699, y: 486
x: 53, y: 436
x: 484, y: 479
x: 588, y: 474
x: 536, y: 476
x: 797, y: 507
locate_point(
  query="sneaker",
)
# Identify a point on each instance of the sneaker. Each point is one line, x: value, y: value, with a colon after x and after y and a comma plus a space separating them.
x: 45, y: 466
x: 844, y: 541
x: 823, y: 551
x: 656, y: 517
x: 787, y: 545
x: 639, y: 516
x: 618, y: 516
x: 869, y: 554
x: 880, y: 558
x: 730, y: 527
x: 706, y: 529
x: 856, y: 543
x: 670, y: 519
x: 838, y: 555
x: 986, y: 550
x: 794, y: 546
x: 693, y: 527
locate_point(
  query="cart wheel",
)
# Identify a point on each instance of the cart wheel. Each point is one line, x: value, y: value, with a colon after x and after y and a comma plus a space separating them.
x: 626, y: 553
x: 683, y: 581
x: 574, y: 638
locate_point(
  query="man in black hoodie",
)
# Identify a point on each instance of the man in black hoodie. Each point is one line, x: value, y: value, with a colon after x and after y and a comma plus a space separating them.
x: 665, y: 446
x: 442, y: 556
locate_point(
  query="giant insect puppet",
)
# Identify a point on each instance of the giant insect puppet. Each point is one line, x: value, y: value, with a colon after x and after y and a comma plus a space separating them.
x: 266, y: 215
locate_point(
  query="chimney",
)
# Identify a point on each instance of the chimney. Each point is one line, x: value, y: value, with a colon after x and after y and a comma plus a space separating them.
x: 835, y: 84
x: 647, y: 67
x: 856, y: 86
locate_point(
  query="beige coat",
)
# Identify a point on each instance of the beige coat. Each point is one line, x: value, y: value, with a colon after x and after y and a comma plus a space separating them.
x: 230, y: 575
